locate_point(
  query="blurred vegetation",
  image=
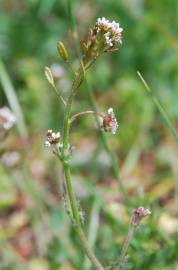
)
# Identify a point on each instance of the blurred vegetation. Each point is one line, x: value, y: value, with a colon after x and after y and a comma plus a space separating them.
x: 35, y: 232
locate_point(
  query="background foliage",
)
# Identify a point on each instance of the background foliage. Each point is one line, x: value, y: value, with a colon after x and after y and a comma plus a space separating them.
x: 35, y: 232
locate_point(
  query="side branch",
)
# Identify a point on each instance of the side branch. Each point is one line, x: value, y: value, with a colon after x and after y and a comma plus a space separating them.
x: 84, y: 113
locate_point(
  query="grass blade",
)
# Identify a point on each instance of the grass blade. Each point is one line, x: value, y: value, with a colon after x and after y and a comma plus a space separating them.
x: 12, y: 99
x: 160, y: 108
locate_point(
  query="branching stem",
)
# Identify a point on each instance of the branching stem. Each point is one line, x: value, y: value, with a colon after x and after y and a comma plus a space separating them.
x: 65, y: 159
x: 84, y: 113
x: 61, y: 98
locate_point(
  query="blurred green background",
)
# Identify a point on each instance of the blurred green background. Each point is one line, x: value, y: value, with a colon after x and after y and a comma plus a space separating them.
x: 35, y: 231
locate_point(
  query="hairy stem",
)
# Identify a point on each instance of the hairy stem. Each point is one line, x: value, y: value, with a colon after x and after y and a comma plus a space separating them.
x: 125, y: 248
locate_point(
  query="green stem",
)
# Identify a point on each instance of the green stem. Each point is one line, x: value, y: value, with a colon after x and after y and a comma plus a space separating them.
x: 111, y: 155
x: 65, y: 157
x: 84, y: 113
x: 125, y: 248
x: 66, y: 126
x: 104, y: 140
x: 76, y: 217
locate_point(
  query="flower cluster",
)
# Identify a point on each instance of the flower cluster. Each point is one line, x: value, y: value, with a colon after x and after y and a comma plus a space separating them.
x: 109, y: 122
x: 7, y: 118
x: 53, y: 138
x: 110, y: 30
x: 103, y: 37
x: 138, y: 214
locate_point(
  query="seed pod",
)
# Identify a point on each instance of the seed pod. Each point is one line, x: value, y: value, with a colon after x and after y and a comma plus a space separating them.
x: 49, y: 75
x: 62, y: 51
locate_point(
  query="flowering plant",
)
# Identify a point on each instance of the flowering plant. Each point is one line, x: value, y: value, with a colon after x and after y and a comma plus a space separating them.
x: 104, y: 37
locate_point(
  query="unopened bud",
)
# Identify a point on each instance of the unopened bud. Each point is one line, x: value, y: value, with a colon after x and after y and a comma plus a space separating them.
x: 49, y: 75
x: 62, y: 51
x: 138, y: 214
x: 110, y: 122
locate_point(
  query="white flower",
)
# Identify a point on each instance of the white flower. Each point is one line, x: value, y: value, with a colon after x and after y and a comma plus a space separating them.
x: 47, y: 144
x: 110, y: 123
x: 112, y: 31
x: 138, y: 214
x: 146, y: 212
x: 52, y: 138
x: 7, y: 118
x: 110, y: 111
x: 108, y: 40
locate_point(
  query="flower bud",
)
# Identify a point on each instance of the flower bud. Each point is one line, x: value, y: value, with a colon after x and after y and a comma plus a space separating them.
x: 110, y: 123
x: 62, y: 51
x: 53, y: 138
x: 105, y: 36
x: 138, y: 214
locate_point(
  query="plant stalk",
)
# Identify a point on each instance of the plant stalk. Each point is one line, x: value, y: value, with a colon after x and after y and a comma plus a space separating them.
x: 111, y: 155
x: 84, y: 113
x: 76, y: 217
x: 65, y: 159
x: 125, y: 248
